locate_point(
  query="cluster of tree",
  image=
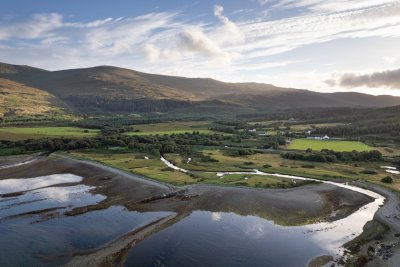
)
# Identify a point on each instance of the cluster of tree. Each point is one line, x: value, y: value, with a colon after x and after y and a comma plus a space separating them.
x: 224, y: 129
x: 156, y: 144
x: 235, y: 124
x: 50, y: 144
x: 99, y: 122
x: 332, y: 156
x: 113, y: 130
x: 239, y: 152
x: 273, y: 142
x: 366, y: 127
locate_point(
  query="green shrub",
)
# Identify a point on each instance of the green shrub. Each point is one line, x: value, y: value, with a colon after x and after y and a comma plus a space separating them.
x: 387, y: 180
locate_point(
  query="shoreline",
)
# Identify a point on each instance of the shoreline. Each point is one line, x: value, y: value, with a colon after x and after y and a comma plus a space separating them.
x: 390, y: 206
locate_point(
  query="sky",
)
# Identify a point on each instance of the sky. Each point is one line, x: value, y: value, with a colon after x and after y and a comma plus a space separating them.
x: 320, y: 45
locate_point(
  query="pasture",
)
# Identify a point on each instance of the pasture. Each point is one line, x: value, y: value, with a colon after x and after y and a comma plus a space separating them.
x: 21, y: 133
x: 162, y: 132
x: 336, y: 145
x: 172, y: 128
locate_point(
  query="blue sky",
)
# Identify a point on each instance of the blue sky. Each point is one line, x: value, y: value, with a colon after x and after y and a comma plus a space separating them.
x: 321, y: 45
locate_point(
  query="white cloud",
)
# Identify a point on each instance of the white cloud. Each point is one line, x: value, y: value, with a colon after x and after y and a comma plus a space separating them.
x: 185, y: 41
x: 195, y: 40
x: 121, y: 36
x: 152, y: 52
x: 40, y: 25
x: 229, y: 32
x: 227, y: 49
x: 278, y: 36
x: 331, y: 5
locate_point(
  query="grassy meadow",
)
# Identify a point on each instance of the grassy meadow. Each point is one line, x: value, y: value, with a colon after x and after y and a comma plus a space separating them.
x: 172, y: 128
x: 337, y: 145
x: 169, y: 132
x: 21, y: 133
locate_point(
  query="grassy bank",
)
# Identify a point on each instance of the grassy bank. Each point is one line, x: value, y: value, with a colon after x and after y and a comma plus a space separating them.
x: 154, y: 168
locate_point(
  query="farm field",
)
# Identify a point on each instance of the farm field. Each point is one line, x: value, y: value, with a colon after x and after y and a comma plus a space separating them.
x: 302, y: 127
x: 336, y: 145
x: 172, y: 128
x: 162, y: 132
x: 20, y: 133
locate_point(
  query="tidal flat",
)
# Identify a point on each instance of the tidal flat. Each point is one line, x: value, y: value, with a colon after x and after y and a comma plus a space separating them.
x: 107, y: 217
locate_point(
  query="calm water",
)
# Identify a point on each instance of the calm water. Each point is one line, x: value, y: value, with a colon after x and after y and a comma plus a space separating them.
x: 226, y: 239
x: 201, y: 239
x: 34, y: 240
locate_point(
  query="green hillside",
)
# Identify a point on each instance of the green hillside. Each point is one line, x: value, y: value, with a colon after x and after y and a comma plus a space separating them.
x: 107, y: 89
x: 18, y: 100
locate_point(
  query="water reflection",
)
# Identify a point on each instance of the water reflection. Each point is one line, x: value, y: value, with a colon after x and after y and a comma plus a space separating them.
x: 53, y: 242
x: 64, y: 198
x: 17, y: 185
x: 34, y: 231
x: 246, y: 240
x: 232, y: 240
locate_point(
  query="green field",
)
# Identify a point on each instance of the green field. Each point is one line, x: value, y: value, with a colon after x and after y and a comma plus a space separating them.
x: 170, y: 132
x: 172, y: 128
x: 340, y: 146
x: 20, y: 133
x: 303, y: 127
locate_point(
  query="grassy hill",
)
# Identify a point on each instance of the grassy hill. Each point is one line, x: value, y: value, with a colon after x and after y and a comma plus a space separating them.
x: 20, y: 100
x: 107, y: 89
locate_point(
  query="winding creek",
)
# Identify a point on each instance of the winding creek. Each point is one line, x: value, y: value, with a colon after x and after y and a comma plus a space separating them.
x: 330, y: 236
x: 35, y: 230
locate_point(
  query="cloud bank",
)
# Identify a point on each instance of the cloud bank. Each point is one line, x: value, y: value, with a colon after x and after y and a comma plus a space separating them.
x: 385, y: 79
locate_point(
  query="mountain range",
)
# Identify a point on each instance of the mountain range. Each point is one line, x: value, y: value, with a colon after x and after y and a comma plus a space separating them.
x: 106, y: 89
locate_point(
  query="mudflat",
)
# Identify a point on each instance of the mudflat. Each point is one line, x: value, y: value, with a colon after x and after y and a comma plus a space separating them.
x: 293, y: 206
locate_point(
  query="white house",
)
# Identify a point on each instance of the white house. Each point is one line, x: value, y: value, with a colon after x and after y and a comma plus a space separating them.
x: 319, y: 137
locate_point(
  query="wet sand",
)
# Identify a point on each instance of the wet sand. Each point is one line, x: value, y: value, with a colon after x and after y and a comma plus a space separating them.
x: 302, y: 203
x: 293, y: 206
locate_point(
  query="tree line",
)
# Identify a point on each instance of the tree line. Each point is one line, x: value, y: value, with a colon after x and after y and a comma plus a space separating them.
x: 326, y: 155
